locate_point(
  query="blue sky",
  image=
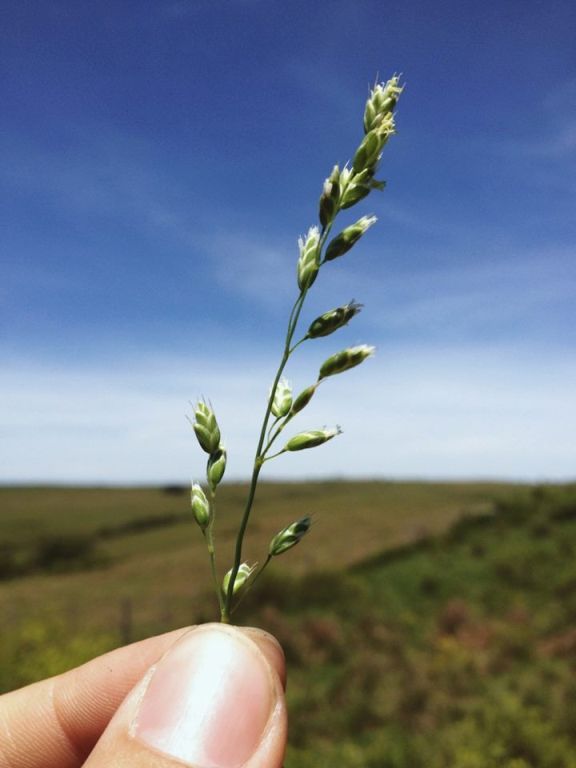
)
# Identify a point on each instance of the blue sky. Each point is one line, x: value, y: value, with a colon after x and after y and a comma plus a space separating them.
x: 158, y: 162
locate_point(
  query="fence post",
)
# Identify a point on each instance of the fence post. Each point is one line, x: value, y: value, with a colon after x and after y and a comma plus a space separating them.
x: 126, y: 620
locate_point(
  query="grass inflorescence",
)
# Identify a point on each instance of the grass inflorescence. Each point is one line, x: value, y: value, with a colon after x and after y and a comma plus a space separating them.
x: 343, y: 189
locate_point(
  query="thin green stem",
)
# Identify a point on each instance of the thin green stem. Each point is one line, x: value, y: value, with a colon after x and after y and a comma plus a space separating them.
x: 302, y: 340
x: 258, y: 460
x: 209, y: 536
x: 273, y: 438
x: 226, y: 607
x: 211, y: 552
x: 271, y: 427
x: 267, y: 458
x: 291, y: 319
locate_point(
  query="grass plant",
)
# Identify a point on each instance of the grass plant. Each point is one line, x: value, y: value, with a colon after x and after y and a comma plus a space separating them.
x: 343, y: 189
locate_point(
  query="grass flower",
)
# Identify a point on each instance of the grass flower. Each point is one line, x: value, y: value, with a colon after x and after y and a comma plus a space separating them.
x: 200, y: 506
x: 333, y: 320
x: 288, y: 537
x: 343, y: 242
x: 241, y: 578
x: 311, y: 439
x: 303, y: 399
x: 309, y: 261
x: 216, y: 467
x: 282, y: 401
x: 206, y: 427
x: 344, y: 360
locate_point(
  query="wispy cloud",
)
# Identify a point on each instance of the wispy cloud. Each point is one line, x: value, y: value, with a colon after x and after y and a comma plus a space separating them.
x: 102, y: 172
x: 557, y: 144
x: 554, y: 128
x: 252, y: 267
x: 503, y: 297
x: 561, y: 98
x: 427, y: 413
x: 510, y: 293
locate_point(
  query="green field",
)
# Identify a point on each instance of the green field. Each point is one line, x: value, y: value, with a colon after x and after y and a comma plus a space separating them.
x: 141, y: 545
x: 439, y: 625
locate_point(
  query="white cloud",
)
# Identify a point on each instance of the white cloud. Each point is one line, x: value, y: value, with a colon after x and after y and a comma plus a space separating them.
x: 467, y: 297
x: 103, y: 172
x: 422, y: 413
x: 248, y: 266
x: 557, y: 144
x: 557, y: 140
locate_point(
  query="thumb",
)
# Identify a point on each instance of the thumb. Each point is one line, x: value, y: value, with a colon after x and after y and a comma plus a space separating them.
x: 214, y: 700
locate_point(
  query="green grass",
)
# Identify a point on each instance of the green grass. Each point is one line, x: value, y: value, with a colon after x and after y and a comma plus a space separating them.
x: 383, y: 514
x: 424, y: 625
x: 458, y: 651
x: 163, y: 571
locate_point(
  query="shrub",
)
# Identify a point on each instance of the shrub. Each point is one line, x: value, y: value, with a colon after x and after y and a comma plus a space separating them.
x: 67, y: 552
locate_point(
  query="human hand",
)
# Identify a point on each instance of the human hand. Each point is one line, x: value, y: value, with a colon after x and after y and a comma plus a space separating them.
x: 208, y: 697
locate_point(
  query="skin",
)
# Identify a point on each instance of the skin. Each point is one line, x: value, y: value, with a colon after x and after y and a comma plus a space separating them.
x: 85, y: 717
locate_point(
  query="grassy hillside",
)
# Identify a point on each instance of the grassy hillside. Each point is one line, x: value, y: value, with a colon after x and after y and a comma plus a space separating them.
x: 446, y: 636
x: 458, y: 651
x: 86, y: 557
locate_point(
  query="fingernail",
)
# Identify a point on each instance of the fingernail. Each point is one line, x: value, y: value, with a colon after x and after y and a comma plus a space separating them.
x: 208, y: 701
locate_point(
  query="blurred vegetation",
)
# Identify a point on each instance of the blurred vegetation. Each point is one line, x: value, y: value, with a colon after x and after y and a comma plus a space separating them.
x: 447, y: 637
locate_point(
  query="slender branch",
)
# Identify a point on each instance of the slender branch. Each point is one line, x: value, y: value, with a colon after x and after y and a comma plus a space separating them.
x: 267, y: 458
x: 273, y: 438
x: 271, y: 427
x: 258, y: 461
x: 302, y: 340
x: 210, y: 545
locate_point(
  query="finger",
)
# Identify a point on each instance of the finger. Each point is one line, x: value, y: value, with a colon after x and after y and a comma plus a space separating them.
x: 55, y: 723
x: 215, y: 700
